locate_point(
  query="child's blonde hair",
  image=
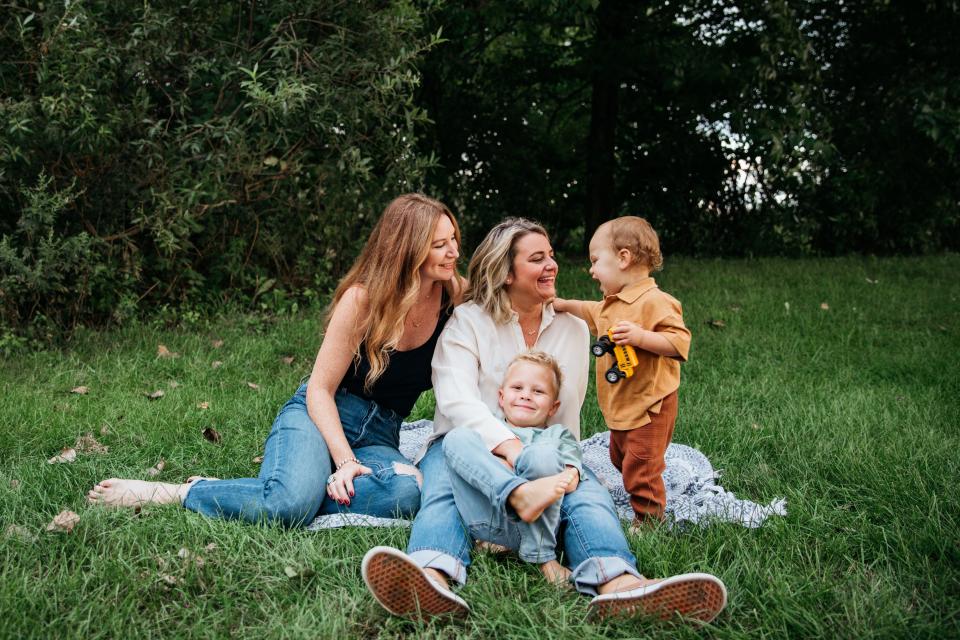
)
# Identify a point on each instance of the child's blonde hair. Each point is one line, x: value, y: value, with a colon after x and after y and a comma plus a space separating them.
x: 636, y: 236
x: 542, y: 359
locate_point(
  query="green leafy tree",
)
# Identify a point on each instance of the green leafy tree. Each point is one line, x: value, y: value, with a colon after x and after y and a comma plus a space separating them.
x: 212, y: 149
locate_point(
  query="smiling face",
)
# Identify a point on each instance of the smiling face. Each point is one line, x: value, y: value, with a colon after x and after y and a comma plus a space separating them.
x: 533, y: 273
x: 606, y: 264
x: 528, y: 395
x: 441, y: 262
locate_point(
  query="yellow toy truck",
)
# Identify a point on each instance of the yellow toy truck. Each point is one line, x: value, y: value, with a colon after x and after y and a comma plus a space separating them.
x: 626, y: 357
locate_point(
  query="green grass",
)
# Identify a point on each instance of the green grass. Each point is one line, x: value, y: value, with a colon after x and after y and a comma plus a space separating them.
x: 850, y: 412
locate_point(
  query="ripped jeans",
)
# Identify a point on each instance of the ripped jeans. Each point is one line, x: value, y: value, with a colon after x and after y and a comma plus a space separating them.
x: 291, y: 487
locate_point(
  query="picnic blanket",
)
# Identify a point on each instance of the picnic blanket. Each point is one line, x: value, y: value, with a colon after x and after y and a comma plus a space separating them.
x: 693, y: 497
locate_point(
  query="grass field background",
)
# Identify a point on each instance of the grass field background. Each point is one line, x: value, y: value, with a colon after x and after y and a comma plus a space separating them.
x: 833, y: 383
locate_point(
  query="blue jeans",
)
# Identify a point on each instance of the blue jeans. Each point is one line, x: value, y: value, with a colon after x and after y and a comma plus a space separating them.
x: 593, y: 541
x: 482, y: 484
x: 291, y: 487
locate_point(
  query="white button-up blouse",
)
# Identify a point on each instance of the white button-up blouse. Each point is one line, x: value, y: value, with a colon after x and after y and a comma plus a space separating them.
x: 471, y: 358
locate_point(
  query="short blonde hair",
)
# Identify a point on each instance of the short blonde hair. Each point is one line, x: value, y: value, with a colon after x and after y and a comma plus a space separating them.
x: 636, y: 236
x: 491, y: 264
x: 542, y: 359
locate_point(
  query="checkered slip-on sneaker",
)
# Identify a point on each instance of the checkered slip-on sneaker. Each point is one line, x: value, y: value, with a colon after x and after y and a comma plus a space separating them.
x: 405, y: 590
x: 696, y: 596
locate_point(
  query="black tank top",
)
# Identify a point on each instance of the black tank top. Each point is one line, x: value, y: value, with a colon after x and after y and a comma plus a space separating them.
x: 406, y: 377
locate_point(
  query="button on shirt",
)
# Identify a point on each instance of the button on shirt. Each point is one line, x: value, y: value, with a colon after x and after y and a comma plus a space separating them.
x: 471, y: 359
x: 627, y: 404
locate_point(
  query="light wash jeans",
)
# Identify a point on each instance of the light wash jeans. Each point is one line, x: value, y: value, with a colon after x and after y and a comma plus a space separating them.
x: 482, y: 484
x: 291, y: 487
x: 593, y: 541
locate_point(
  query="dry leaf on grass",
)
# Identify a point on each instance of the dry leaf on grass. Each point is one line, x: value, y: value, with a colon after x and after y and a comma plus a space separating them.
x: 14, y: 484
x: 66, y: 454
x: 254, y: 386
x: 87, y: 444
x: 203, y: 405
x: 157, y: 468
x: 173, y: 384
x: 190, y: 556
x: 105, y: 429
x: 64, y: 522
x: 163, y: 352
x: 287, y: 360
x: 216, y: 344
x: 216, y: 364
x: 211, y: 547
x: 168, y: 580
x: 869, y: 281
x: 824, y: 306
x: 211, y: 435
x: 716, y: 324
x: 156, y: 395
x: 301, y: 572
x: 258, y: 459
x: 80, y: 390
x: 20, y: 532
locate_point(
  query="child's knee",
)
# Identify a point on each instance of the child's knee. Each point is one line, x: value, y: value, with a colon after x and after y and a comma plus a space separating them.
x: 539, y: 461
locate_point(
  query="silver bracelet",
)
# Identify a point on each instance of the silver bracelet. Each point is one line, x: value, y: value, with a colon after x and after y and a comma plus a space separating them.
x: 345, y: 461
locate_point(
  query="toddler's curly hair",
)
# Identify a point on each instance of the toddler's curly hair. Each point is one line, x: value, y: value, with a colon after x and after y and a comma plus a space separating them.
x: 637, y: 236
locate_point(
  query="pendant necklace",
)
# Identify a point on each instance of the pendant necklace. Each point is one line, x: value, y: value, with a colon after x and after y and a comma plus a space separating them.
x: 415, y: 323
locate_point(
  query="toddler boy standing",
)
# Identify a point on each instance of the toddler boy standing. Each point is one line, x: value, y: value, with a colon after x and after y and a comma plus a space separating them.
x: 641, y: 410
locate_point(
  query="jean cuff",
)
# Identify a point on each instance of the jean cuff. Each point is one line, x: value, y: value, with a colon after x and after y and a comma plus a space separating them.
x: 186, y: 499
x: 433, y: 559
x: 593, y: 572
x: 504, y: 494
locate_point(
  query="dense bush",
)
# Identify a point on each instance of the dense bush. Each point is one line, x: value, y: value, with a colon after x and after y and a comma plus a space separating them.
x: 195, y: 151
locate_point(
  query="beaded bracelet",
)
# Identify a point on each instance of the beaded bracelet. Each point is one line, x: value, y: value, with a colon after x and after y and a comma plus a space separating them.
x: 345, y: 461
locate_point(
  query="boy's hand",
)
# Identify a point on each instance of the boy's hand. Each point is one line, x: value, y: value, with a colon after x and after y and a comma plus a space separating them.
x: 574, y: 479
x: 509, y: 450
x: 626, y: 332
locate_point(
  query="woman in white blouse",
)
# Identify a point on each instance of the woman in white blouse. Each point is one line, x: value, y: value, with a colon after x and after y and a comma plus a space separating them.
x: 506, y: 311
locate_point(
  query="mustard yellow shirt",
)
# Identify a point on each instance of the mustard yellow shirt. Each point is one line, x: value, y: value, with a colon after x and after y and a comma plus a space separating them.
x: 628, y: 403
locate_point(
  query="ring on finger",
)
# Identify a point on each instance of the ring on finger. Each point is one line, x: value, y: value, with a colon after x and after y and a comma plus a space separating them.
x: 331, y: 479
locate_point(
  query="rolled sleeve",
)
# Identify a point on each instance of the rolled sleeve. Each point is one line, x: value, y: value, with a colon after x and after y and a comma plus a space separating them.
x: 672, y: 328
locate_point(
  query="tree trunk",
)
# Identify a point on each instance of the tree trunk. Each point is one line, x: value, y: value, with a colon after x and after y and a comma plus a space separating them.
x: 605, y: 79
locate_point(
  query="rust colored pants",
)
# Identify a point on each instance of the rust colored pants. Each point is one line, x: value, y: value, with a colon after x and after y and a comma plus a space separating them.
x: 638, y: 455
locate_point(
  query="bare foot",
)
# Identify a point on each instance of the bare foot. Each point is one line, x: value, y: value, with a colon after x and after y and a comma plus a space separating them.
x: 438, y: 576
x: 116, y: 492
x: 531, y: 498
x: 490, y: 547
x: 624, y: 582
x: 555, y: 573
x: 193, y: 479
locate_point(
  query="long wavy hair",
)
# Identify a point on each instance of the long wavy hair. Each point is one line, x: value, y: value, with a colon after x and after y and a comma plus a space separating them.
x: 389, y: 269
x: 491, y: 264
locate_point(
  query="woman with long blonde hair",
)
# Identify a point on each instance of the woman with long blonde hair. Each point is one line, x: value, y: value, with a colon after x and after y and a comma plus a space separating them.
x: 334, y: 445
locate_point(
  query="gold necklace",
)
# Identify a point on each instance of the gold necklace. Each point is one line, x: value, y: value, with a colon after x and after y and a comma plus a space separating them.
x: 530, y: 332
x: 416, y: 324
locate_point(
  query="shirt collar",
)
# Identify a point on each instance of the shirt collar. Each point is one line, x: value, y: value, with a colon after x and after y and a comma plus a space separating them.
x: 545, y: 319
x: 632, y: 292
